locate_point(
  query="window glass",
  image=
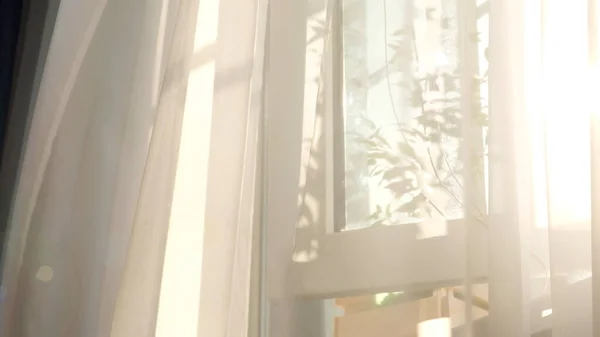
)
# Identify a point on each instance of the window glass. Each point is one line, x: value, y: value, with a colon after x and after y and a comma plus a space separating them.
x: 401, y: 108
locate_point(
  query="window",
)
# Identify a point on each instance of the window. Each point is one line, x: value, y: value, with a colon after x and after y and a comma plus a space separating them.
x: 365, y: 191
x: 402, y: 112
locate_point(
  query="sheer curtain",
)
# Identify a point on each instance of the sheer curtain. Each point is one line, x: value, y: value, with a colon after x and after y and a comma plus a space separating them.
x: 542, y: 60
x: 134, y: 209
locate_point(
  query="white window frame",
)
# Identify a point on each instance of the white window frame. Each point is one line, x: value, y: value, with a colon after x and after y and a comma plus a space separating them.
x: 345, y: 260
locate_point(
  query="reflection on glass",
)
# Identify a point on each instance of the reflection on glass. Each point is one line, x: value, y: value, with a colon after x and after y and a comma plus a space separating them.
x: 401, y: 106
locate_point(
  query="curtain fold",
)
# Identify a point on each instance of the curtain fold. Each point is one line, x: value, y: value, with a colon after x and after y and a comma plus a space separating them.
x: 136, y: 99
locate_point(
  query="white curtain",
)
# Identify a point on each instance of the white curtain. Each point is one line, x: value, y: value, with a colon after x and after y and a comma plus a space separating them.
x: 543, y: 96
x: 134, y: 210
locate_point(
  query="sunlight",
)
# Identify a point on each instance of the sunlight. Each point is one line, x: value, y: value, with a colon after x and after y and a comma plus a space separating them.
x: 534, y: 106
x: 312, y: 124
x: 546, y: 312
x: 566, y: 112
x: 380, y: 297
x: 179, y: 302
x: 439, y: 327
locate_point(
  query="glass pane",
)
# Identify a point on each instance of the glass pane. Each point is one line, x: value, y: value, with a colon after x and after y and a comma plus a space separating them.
x: 401, y: 107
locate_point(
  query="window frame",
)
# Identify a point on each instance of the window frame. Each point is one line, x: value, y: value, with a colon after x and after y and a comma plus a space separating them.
x: 344, y: 257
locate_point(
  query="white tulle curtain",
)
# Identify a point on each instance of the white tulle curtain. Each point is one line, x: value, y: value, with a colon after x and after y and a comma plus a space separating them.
x: 541, y: 249
x: 145, y: 108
